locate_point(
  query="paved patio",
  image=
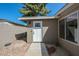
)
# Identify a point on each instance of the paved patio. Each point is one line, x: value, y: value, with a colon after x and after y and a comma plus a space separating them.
x: 37, y: 49
x: 21, y: 48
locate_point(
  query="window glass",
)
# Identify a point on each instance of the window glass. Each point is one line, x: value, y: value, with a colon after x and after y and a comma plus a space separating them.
x: 62, y: 29
x: 37, y: 24
x: 71, y: 27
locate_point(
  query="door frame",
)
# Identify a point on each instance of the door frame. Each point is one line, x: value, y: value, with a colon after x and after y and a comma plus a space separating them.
x: 41, y: 27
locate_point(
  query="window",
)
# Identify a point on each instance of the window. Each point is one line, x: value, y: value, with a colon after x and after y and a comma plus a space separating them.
x: 68, y: 28
x: 62, y: 29
x: 71, y: 28
x: 37, y: 24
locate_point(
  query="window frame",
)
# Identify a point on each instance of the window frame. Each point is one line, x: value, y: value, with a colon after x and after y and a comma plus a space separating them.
x: 65, y: 19
x: 64, y: 29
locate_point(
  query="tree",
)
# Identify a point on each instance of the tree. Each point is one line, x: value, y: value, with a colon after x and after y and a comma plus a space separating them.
x: 34, y: 9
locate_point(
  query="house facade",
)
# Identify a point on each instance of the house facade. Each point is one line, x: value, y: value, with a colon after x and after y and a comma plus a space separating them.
x: 44, y: 29
x: 61, y: 29
x: 68, y: 28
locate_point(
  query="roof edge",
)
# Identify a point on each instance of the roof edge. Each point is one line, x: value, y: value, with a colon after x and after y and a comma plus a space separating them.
x: 3, y: 20
x: 38, y: 17
x: 64, y: 8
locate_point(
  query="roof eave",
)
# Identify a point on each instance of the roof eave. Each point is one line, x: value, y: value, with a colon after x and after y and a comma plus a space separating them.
x: 38, y: 17
x: 64, y: 8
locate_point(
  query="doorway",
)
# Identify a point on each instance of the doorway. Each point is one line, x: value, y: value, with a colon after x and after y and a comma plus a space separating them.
x: 37, y: 31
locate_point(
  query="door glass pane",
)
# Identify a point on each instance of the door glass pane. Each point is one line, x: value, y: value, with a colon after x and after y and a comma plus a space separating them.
x: 37, y: 24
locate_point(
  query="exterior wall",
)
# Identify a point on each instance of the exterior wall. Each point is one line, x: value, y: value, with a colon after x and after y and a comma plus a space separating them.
x: 8, y: 31
x: 73, y: 48
x: 29, y: 36
x: 50, y: 31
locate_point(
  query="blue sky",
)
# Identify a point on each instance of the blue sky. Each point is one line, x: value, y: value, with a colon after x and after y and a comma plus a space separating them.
x: 10, y: 11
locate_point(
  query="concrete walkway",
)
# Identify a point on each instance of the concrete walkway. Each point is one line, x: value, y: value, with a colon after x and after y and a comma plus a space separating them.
x: 37, y: 49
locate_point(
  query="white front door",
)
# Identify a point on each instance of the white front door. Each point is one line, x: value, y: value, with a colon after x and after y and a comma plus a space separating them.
x: 37, y: 31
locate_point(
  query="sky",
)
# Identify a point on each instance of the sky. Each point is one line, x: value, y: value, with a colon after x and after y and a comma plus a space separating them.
x: 10, y: 11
